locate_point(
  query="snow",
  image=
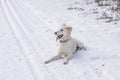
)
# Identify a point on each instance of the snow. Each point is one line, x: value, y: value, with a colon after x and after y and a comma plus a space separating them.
x: 27, y: 40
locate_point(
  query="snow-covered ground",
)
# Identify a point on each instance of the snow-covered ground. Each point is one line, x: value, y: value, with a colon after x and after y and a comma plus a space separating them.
x: 27, y: 40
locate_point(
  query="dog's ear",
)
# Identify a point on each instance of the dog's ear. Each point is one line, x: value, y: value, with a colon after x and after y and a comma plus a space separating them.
x: 69, y: 28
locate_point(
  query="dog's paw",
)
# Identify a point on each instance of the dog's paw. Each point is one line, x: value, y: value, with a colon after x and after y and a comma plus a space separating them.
x: 65, y: 63
x: 84, y: 48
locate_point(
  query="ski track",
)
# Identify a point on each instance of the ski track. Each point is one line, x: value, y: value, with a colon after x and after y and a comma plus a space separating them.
x: 27, y: 48
x: 16, y: 34
x: 24, y: 43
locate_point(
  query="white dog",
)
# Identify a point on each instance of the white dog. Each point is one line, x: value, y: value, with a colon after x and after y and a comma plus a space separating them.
x: 67, y: 45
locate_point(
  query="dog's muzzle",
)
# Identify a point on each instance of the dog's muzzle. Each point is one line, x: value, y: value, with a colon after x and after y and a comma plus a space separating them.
x: 59, y: 36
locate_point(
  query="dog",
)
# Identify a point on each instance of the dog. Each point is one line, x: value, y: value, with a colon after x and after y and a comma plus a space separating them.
x: 67, y: 45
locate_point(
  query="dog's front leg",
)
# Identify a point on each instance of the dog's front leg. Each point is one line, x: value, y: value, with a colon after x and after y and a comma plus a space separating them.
x: 53, y: 58
x: 67, y: 58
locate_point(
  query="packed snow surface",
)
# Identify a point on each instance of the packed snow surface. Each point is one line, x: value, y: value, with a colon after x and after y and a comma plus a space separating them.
x: 27, y: 39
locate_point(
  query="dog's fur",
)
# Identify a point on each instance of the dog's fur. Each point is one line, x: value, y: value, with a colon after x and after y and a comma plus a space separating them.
x: 67, y: 45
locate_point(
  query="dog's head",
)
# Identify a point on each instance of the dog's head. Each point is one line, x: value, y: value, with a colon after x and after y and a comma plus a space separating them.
x: 64, y: 32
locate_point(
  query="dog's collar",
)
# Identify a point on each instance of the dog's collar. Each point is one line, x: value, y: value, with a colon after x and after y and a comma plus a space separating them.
x: 64, y: 41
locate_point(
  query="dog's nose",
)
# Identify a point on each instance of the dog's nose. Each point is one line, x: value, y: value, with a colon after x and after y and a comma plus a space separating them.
x: 55, y: 33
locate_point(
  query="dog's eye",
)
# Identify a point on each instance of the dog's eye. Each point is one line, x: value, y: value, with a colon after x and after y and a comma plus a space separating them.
x: 61, y: 30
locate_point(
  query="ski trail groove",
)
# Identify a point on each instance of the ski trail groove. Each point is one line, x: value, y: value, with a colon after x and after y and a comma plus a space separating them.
x: 23, y: 42
x: 16, y: 35
x: 5, y: 11
x: 43, y: 67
